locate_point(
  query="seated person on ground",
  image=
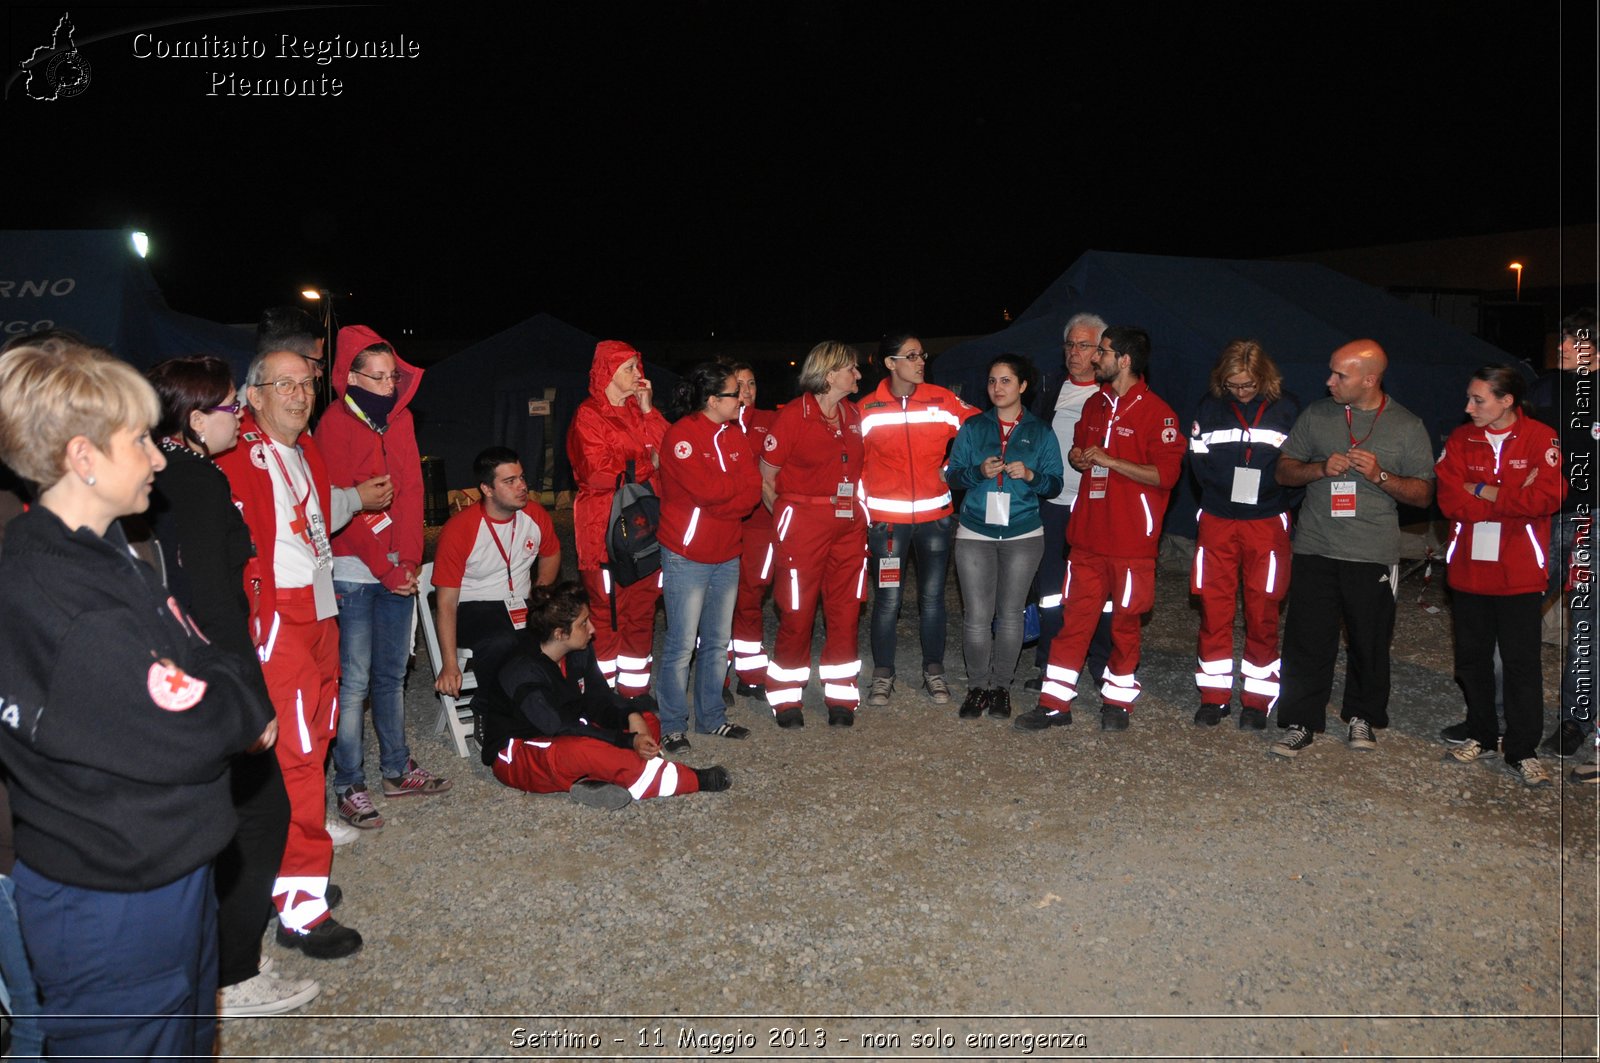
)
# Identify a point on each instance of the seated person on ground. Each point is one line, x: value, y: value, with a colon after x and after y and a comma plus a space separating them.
x: 551, y: 724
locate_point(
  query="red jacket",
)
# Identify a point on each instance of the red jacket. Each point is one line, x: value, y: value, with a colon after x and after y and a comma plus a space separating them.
x: 1521, y: 509
x: 757, y: 425
x: 709, y: 484
x: 356, y: 451
x: 906, y: 443
x: 1125, y: 521
x: 602, y: 439
x: 811, y: 460
x: 246, y: 468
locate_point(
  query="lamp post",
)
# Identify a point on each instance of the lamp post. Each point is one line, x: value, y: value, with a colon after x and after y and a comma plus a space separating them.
x: 1517, y: 266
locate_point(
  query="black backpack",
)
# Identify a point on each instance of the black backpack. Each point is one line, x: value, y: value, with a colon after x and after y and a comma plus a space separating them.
x: 631, y: 534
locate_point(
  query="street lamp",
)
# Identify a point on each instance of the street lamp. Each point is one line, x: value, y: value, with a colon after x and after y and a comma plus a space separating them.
x: 141, y: 243
x: 1518, y: 267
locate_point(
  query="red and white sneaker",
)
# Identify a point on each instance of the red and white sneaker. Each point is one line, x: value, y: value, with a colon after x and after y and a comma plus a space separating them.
x: 415, y: 781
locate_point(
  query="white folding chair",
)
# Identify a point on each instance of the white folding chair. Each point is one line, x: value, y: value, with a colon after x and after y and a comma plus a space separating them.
x: 455, y: 713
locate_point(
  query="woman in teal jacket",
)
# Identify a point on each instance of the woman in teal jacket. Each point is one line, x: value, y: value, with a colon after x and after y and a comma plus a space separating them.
x: 1006, y: 460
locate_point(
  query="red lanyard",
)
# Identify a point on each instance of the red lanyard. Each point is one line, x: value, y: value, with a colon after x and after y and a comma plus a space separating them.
x: 1005, y: 440
x: 1115, y: 416
x: 304, y: 524
x: 1249, y: 429
x: 1350, y: 430
x: 511, y: 586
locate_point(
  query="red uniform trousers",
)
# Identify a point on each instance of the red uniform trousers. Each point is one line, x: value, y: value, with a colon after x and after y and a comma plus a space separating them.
x: 623, y: 651
x: 552, y: 765
x: 756, y: 562
x: 1129, y: 584
x: 817, y: 554
x: 1260, y: 550
x: 300, y: 661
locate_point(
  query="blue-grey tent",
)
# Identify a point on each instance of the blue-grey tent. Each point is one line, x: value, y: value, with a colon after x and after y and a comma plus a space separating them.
x: 1299, y: 312
x: 518, y: 388
x: 92, y: 282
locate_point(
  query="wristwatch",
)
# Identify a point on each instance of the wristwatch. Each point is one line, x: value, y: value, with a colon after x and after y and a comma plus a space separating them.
x: 1383, y: 477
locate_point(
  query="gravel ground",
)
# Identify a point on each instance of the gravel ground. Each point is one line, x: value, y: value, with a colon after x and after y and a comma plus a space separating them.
x: 892, y: 890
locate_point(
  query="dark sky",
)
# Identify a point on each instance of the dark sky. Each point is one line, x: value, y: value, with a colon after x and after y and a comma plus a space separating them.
x: 670, y: 170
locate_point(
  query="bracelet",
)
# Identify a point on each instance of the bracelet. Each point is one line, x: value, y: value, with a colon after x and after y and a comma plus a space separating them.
x: 1477, y: 491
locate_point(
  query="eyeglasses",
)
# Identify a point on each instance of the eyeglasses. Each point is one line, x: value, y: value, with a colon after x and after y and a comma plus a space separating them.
x: 382, y: 378
x: 1082, y: 346
x: 1106, y: 350
x: 725, y: 395
x: 285, y: 386
x: 232, y: 407
x: 912, y: 356
x: 1249, y: 385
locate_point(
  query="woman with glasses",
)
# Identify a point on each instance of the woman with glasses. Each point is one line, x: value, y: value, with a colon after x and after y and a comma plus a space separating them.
x: 907, y: 426
x: 1240, y: 426
x: 205, y: 545
x: 1500, y: 480
x: 119, y: 725
x: 709, y: 483
x: 1007, y: 461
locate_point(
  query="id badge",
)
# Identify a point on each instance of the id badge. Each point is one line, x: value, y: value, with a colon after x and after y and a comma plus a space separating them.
x: 1486, y: 540
x: 842, y: 507
x: 997, y: 509
x: 517, y: 610
x: 1343, y: 498
x: 1246, y: 486
x: 327, y: 603
x: 889, y: 572
x: 1099, y: 476
x: 377, y: 521
x: 319, y: 543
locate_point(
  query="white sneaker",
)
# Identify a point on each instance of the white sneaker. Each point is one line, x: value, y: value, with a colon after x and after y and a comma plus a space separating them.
x: 341, y: 832
x: 267, y: 994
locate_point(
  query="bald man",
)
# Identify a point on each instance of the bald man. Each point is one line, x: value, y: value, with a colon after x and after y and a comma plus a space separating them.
x: 1359, y: 454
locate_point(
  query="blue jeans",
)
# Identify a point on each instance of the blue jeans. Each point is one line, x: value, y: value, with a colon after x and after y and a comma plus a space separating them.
x: 374, y: 647
x: 16, y: 981
x: 931, y: 540
x: 699, y: 600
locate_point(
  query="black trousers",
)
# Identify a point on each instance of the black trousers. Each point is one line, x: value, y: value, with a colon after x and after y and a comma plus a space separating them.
x: 1511, y: 622
x: 248, y: 867
x: 1324, y: 595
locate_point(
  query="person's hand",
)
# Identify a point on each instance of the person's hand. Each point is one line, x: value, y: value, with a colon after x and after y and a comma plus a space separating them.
x: 991, y: 467
x: 449, y: 681
x: 645, y: 746
x: 1018, y: 471
x: 1365, y: 462
x: 646, y: 394
x: 1076, y: 459
x: 1096, y: 456
x: 1335, y: 465
x: 376, y: 493
x: 266, y: 740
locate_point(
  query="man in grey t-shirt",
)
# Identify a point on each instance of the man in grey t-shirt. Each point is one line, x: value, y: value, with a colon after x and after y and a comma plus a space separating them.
x: 1359, y: 454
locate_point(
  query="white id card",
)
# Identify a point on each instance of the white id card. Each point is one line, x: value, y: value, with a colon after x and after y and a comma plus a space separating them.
x: 1486, y: 540
x: 1099, y: 475
x: 889, y: 572
x: 1246, y: 485
x: 517, y: 610
x: 1343, y: 499
x: 322, y: 595
x: 997, y: 508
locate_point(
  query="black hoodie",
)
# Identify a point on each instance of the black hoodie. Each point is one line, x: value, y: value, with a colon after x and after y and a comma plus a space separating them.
x: 117, y: 721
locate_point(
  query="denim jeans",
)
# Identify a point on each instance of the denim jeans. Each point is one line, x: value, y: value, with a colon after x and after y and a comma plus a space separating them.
x: 995, y: 577
x: 16, y: 982
x: 931, y: 540
x: 699, y: 601
x: 374, y: 646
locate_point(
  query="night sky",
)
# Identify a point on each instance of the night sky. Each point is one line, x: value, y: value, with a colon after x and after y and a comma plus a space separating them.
x: 673, y: 170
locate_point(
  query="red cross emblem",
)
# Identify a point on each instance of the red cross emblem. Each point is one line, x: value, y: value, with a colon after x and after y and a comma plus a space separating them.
x: 172, y: 688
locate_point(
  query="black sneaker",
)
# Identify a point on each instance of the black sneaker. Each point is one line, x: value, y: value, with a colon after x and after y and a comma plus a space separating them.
x: 714, y: 779
x: 972, y: 707
x: 1035, y: 684
x: 1457, y: 734
x: 1040, y: 718
x: 676, y: 742
x: 332, y: 896
x: 1361, y: 736
x: 1113, y: 719
x: 730, y: 730
x: 1564, y: 741
x: 840, y: 717
x: 591, y: 793
x: 790, y: 718
x: 1208, y: 715
x: 1000, y: 703
x: 328, y: 940
x: 1295, y: 741
x: 751, y: 690
x: 1252, y: 720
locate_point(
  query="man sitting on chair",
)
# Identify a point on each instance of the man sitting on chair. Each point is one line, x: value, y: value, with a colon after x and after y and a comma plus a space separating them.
x: 483, y: 569
x: 551, y: 724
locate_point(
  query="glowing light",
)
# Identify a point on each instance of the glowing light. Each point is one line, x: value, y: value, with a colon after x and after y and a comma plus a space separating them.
x: 141, y: 243
x: 310, y: 293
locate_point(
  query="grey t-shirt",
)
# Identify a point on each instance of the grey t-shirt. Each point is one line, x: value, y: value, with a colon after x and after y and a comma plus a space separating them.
x: 1371, y: 532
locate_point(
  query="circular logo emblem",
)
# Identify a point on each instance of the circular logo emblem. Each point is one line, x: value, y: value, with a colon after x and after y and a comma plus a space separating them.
x: 258, y: 456
x: 682, y: 449
x: 68, y: 74
x: 1169, y: 434
x: 771, y: 443
x: 1552, y: 457
x: 172, y: 688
